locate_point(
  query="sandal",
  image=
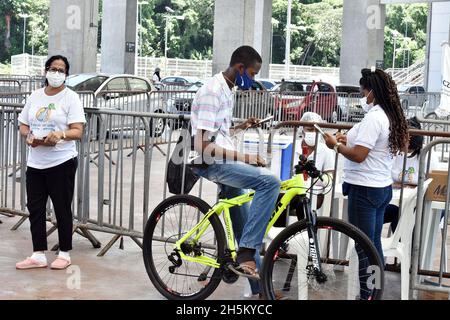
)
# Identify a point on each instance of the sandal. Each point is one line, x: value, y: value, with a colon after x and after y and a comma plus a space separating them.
x: 60, y: 264
x: 30, y: 263
x: 246, y: 269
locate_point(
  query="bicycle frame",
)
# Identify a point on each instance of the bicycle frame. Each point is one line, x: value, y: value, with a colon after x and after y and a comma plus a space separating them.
x: 293, y: 187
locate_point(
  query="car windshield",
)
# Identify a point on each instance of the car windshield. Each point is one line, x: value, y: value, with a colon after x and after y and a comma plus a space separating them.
x: 195, y: 86
x: 269, y: 85
x: 348, y: 89
x: 403, y: 88
x: 289, y: 86
x: 85, y: 82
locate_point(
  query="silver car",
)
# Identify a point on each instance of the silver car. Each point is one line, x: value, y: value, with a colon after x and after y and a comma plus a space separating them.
x: 412, y: 98
x: 120, y: 92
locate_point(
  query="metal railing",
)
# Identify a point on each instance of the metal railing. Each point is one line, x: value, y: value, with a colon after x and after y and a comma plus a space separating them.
x: 20, y: 83
x: 116, y: 191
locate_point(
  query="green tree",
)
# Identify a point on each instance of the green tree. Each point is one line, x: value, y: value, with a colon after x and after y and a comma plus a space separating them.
x: 315, y: 35
x: 36, y: 32
x: 409, y: 22
x: 190, y: 38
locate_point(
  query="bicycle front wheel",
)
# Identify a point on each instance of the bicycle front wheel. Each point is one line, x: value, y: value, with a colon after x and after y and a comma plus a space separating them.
x: 350, y: 266
x: 173, y: 277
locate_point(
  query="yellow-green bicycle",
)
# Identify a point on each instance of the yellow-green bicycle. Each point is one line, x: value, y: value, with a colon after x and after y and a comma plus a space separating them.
x: 187, y: 253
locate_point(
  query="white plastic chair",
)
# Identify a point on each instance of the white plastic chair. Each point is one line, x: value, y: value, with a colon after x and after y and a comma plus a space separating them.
x: 400, y: 243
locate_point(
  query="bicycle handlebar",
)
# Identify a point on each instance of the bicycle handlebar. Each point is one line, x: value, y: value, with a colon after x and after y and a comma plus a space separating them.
x: 307, y: 166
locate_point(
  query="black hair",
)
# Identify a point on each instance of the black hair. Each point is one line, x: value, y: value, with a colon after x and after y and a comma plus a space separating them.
x: 50, y: 60
x: 415, y: 142
x: 386, y: 96
x: 245, y: 55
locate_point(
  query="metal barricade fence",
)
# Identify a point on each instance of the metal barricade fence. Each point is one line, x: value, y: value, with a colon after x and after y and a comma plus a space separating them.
x: 10, y: 86
x: 19, y: 83
x: 117, y: 193
x: 423, y: 262
x: 425, y: 230
x: 419, y: 104
x: 12, y: 154
x: 14, y: 97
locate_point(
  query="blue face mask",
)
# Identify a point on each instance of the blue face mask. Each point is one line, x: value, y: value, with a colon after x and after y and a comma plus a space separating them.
x: 244, y: 82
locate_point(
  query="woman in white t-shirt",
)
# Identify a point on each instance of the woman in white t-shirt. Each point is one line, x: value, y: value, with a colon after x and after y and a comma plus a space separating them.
x: 52, y: 119
x: 368, y: 149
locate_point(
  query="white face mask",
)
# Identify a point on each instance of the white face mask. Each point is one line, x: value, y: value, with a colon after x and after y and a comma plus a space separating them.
x: 310, y: 138
x: 366, y: 106
x: 55, y: 79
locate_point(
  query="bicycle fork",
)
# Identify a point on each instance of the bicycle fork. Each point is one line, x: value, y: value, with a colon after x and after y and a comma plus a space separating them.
x: 313, y: 243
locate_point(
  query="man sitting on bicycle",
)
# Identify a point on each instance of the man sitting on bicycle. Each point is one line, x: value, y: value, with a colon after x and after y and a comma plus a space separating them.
x: 211, y: 116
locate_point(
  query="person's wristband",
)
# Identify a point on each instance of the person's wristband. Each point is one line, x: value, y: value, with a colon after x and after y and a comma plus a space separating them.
x: 336, y: 147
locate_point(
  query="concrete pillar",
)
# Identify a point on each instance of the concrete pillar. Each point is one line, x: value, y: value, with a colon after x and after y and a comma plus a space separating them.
x: 73, y: 29
x: 362, y: 38
x: 241, y: 22
x: 118, y: 45
x: 438, y: 31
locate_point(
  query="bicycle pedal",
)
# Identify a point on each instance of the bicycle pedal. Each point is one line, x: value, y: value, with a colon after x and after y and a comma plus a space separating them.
x: 228, y: 276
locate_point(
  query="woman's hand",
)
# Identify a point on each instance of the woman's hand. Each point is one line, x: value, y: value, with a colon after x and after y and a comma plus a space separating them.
x: 31, y: 141
x: 53, y: 138
x: 342, y: 138
x: 330, y: 140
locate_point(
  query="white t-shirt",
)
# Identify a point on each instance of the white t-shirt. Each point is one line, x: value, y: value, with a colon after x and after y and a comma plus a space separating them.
x: 373, y: 133
x: 44, y: 114
x: 325, y: 156
x: 412, y: 168
x: 155, y: 78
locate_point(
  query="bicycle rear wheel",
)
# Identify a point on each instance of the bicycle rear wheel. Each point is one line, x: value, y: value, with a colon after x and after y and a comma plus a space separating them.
x: 174, y: 278
x: 351, y: 267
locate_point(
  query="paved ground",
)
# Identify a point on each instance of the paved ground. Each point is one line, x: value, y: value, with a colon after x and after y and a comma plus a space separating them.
x: 120, y: 274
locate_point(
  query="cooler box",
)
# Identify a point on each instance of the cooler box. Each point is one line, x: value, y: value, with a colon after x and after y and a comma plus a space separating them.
x: 282, y: 148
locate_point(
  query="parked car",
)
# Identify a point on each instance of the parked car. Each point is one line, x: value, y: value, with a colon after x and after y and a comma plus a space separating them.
x: 290, y: 86
x: 319, y: 97
x: 120, y: 92
x: 180, y: 102
x: 412, y: 97
x: 256, y: 102
x: 268, y: 83
x: 179, y: 81
x: 348, y: 102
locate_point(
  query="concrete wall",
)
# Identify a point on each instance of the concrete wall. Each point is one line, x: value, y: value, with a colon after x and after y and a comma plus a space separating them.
x: 241, y: 22
x: 362, y: 38
x: 118, y: 29
x: 439, y: 31
x: 73, y: 28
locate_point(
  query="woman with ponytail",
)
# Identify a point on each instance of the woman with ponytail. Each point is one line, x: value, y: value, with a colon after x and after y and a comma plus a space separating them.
x: 369, y: 149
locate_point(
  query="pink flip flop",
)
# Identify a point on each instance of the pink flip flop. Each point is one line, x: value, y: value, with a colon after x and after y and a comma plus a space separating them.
x: 60, y: 264
x: 30, y: 263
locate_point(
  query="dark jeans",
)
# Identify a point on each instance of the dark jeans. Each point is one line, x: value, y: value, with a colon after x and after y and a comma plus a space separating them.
x: 366, y: 207
x: 58, y: 184
x: 391, y: 215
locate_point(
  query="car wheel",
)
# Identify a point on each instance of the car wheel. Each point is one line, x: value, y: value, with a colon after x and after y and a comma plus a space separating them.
x: 405, y: 105
x: 336, y: 115
x: 159, y: 125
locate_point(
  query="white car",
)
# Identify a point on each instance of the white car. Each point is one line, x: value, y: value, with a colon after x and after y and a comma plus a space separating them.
x: 119, y: 92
